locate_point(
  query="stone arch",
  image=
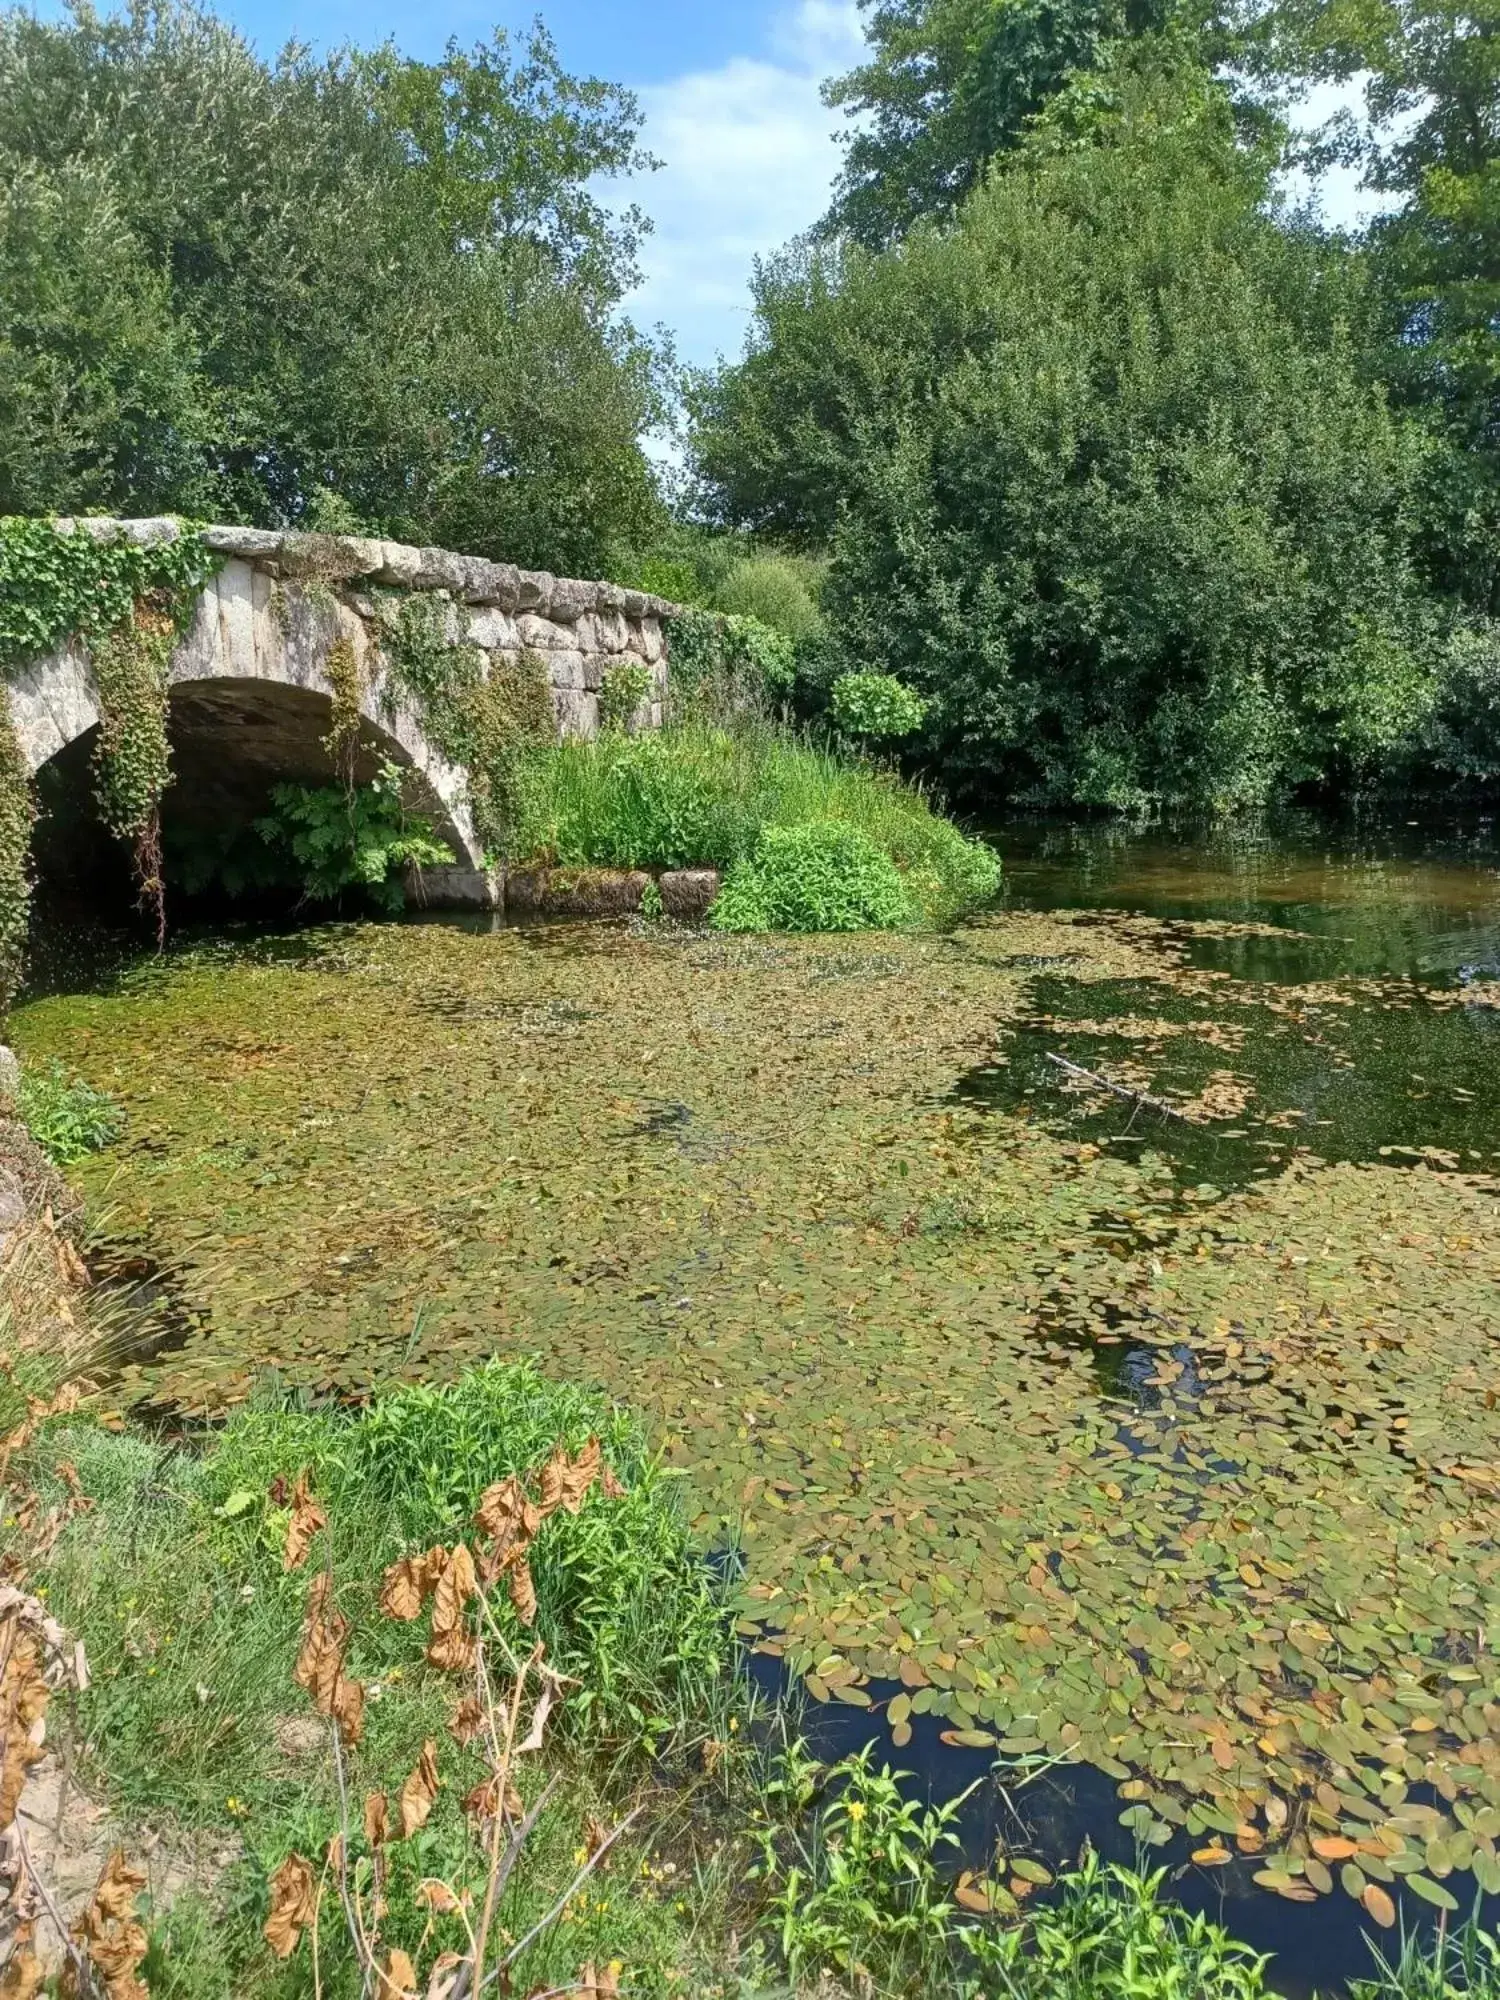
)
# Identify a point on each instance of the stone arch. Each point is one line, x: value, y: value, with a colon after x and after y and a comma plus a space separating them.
x: 250, y: 676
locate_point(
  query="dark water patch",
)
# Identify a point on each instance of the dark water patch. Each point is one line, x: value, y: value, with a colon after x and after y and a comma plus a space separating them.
x: 1316, y: 1948
x: 142, y: 1305
x: 1381, y: 897
x: 1384, y: 1071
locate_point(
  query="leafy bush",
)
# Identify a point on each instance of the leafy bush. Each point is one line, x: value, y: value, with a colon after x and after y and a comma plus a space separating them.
x: 624, y: 688
x: 723, y: 667
x: 623, y: 1602
x: 67, y: 1117
x: 857, y: 1882
x: 688, y: 796
x: 319, y: 840
x: 1112, y: 1934
x: 779, y: 591
x: 876, y: 705
x: 825, y: 876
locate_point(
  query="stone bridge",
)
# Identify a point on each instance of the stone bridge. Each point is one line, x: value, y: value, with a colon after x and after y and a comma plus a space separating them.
x: 251, y: 700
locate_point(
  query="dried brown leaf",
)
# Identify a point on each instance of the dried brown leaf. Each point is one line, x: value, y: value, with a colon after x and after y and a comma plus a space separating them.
x: 307, y: 1519
x: 377, y: 1819
x: 109, y: 1934
x: 23, y: 1703
x: 325, y: 1634
x: 22, y: 1975
x: 419, y: 1793
x: 523, y: 1592
x: 398, y: 1977
x: 480, y: 1803
x: 599, y: 1982
x: 443, y: 1978
x: 348, y: 1710
x: 437, y: 1897
x: 452, y: 1646
x: 469, y: 1720
x: 408, y: 1584
x: 609, y: 1485
x: 294, y: 1897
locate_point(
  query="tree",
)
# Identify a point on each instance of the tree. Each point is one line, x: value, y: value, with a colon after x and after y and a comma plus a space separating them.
x: 380, y: 275
x: 1104, y: 480
x: 1431, y: 75
x: 950, y: 84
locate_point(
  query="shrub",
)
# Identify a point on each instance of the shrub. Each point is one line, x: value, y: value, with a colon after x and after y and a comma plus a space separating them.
x: 68, y: 1118
x: 780, y: 591
x: 724, y: 667
x: 623, y: 1602
x: 876, y: 705
x: 824, y: 876
x: 624, y: 688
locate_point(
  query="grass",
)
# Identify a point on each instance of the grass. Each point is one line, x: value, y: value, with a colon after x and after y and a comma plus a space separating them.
x: 1463, y: 1961
x: 172, y: 1575
x: 691, y: 795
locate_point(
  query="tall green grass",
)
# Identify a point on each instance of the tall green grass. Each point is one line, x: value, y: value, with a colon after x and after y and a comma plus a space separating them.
x: 693, y: 795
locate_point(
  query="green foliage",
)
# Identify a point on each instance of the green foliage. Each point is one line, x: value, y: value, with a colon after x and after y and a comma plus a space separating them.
x: 690, y: 795
x: 876, y: 705
x: 858, y: 1883
x: 133, y: 759
x: 625, y: 686
x: 778, y: 591
x: 253, y: 290
x: 101, y: 398
x: 342, y: 740
x: 56, y: 586
x: 1112, y: 1936
x: 722, y: 666
x: 824, y: 876
x: 623, y: 1602
x: 359, y: 838
x: 1458, y: 1964
x: 1165, y: 565
x: 949, y: 84
x: 66, y: 1117
x: 17, y: 813
x: 480, y: 721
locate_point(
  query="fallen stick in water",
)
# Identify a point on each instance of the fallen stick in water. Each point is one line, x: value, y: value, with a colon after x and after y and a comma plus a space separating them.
x: 1119, y: 1090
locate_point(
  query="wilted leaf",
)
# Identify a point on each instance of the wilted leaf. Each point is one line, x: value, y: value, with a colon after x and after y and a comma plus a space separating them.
x: 1333, y: 1847
x: 348, y: 1710
x: 469, y: 1720
x: 1212, y: 1857
x: 579, y: 1476
x: 609, y: 1485
x: 398, y: 1977
x: 419, y: 1793
x: 972, y: 1894
x: 523, y: 1592
x: 443, y: 1978
x: 307, y: 1518
x: 294, y: 1895
x: 325, y: 1634
x: 109, y: 1933
x: 600, y: 1983
x: 23, y: 1703
x: 437, y: 1897
x: 481, y: 1801
x: 452, y: 1646
x: 406, y: 1585
x: 377, y: 1819
x: 23, y: 1973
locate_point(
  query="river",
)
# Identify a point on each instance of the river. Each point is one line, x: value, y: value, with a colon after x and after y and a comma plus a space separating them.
x: 1083, y: 1326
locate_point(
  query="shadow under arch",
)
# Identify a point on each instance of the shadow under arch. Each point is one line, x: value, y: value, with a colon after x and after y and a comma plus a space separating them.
x: 233, y: 741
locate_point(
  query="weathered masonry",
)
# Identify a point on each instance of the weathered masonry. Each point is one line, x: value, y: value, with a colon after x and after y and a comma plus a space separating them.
x: 250, y: 680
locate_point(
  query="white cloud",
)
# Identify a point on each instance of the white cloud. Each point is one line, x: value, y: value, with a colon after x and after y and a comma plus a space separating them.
x: 749, y: 158
x: 1337, y: 191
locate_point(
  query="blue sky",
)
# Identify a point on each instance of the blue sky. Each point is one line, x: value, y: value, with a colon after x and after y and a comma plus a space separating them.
x: 730, y: 93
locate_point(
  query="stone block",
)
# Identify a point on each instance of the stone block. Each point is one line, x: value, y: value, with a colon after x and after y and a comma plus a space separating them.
x: 540, y: 635
x: 442, y: 571
x: 634, y: 603
x: 251, y: 544
x: 326, y: 558
x: 492, y: 583
x: 570, y: 599
x: 613, y: 632
x: 595, y: 667
x: 455, y: 888
x: 10, y: 1081
x: 575, y: 892
x: 566, y: 670
x: 649, y: 642
x: 494, y: 629
x: 688, y: 893
x: 400, y: 566
x: 534, y: 590
x: 577, y: 713
x: 610, y: 597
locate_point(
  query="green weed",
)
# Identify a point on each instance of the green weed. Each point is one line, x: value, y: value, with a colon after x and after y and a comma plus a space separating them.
x: 1462, y: 1962
x: 68, y: 1118
x: 825, y: 876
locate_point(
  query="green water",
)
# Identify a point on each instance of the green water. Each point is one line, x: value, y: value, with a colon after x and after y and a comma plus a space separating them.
x: 1162, y: 1441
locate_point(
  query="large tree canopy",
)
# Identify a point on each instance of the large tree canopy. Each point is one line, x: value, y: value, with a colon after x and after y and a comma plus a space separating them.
x: 1100, y: 471
x: 360, y: 288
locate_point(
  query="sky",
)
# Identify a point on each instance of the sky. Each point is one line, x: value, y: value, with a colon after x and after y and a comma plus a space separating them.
x: 730, y: 94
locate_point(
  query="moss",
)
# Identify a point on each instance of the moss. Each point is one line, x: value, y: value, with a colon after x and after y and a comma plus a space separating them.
x: 342, y: 740
x: 133, y: 758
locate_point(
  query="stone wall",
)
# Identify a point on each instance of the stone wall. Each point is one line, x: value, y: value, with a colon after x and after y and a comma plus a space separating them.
x: 251, y: 670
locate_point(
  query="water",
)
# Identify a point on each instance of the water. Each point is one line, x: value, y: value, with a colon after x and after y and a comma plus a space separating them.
x: 1105, y: 1415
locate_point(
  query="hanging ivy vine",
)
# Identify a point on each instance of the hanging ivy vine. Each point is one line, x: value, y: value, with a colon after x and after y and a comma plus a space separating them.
x: 478, y: 720
x: 126, y: 601
x: 342, y: 740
